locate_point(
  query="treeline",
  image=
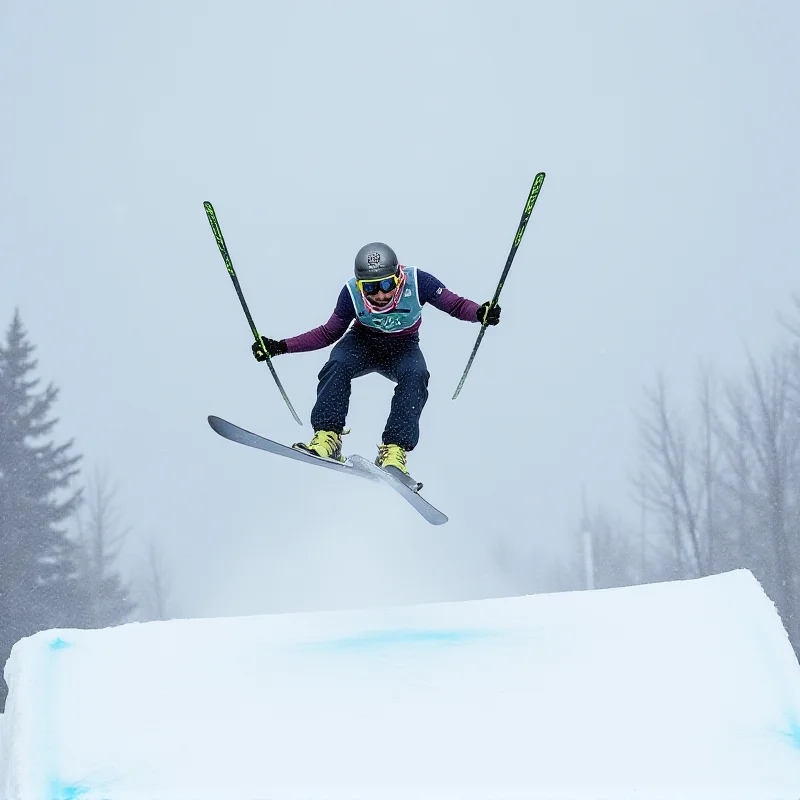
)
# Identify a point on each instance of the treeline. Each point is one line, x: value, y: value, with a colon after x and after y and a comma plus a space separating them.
x: 717, y: 486
x: 60, y: 534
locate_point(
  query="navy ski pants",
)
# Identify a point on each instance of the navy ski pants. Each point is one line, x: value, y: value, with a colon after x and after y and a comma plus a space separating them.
x: 360, y: 353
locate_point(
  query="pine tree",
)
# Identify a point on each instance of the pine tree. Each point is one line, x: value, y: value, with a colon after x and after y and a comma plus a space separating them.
x: 39, y: 582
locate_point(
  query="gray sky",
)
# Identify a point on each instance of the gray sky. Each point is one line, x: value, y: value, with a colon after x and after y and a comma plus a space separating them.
x: 668, y: 131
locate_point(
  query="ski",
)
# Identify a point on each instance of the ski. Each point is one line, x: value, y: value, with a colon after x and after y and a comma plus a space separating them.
x: 407, y: 489
x: 236, y: 434
x: 356, y: 465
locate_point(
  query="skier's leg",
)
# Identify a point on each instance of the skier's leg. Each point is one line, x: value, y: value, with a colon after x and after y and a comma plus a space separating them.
x: 352, y: 357
x: 406, y: 365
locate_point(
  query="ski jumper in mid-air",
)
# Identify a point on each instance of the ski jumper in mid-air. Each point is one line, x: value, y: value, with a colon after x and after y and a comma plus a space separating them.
x: 383, y: 301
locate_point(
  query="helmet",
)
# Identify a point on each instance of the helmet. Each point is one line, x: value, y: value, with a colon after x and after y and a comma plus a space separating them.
x: 376, y: 260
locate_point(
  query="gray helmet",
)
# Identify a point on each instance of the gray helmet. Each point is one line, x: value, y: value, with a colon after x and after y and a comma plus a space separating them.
x: 376, y: 260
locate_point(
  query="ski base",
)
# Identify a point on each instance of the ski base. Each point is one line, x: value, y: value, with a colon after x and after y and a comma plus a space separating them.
x: 410, y: 495
x: 356, y: 465
x: 236, y: 434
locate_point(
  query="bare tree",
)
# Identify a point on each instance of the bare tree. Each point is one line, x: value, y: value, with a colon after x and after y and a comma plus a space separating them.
x: 676, y: 486
x: 678, y: 478
x: 739, y: 510
x: 613, y: 547
x: 606, y: 551
x: 101, y: 538
x: 763, y: 449
x: 155, y: 584
x: 708, y: 462
x: 719, y: 492
x: 791, y: 325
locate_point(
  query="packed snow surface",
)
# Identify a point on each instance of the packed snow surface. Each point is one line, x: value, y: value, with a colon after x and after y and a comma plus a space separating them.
x: 687, y: 689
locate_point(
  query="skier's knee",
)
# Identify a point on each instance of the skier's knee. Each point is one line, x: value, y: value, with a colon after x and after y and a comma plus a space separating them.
x: 416, y: 374
x: 336, y: 366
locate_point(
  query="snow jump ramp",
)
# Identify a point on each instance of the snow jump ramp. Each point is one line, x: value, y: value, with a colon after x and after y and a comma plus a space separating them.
x: 687, y: 689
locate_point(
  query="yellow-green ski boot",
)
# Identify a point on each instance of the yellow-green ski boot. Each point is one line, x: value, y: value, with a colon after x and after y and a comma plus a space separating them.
x: 325, y: 444
x: 392, y: 455
x: 392, y: 459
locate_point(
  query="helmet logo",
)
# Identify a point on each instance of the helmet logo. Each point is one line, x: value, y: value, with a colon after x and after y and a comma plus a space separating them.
x: 373, y: 258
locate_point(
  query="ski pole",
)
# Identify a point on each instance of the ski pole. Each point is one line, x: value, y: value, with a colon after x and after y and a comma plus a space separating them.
x: 526, y: 215
x: 223, y: 249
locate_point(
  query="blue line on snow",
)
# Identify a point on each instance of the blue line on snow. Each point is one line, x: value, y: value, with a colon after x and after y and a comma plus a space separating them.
x: 374, y: 640
x: 794, y: 732
x: 63, y: 791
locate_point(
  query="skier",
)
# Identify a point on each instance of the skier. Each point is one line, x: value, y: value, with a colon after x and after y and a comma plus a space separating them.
x: 384, y: 301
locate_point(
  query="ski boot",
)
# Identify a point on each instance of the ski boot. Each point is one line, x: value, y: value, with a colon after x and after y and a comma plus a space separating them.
x: 392, y: 455
x: 325, y: 444
x: 392, y: 459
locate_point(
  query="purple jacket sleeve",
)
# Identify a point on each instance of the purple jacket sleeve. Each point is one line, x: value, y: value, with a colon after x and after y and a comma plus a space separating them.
x: 433, y: 291
x: 326, y: 334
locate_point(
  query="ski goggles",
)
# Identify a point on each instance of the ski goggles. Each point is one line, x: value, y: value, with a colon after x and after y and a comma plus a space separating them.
x: 382, y: 285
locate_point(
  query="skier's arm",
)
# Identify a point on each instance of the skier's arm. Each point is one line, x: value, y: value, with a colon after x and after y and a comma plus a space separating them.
x: 320, y: 337
x: 326, y: 334
x: 433, y: 291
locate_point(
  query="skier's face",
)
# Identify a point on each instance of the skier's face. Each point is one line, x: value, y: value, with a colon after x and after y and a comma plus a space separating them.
x: 381, y: 299
x: 380, y: 291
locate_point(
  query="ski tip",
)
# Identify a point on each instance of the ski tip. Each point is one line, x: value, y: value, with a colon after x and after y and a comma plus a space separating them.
x: 216, y: 423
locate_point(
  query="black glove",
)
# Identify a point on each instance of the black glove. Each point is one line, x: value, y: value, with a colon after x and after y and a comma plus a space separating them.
x: 487, y: 315
x: 268, y: 347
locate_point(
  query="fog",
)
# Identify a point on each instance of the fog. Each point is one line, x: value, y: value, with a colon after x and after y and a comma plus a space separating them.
x: 662, y: 238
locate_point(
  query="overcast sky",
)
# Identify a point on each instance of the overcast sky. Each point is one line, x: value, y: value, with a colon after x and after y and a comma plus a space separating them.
x: 663, y: 236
